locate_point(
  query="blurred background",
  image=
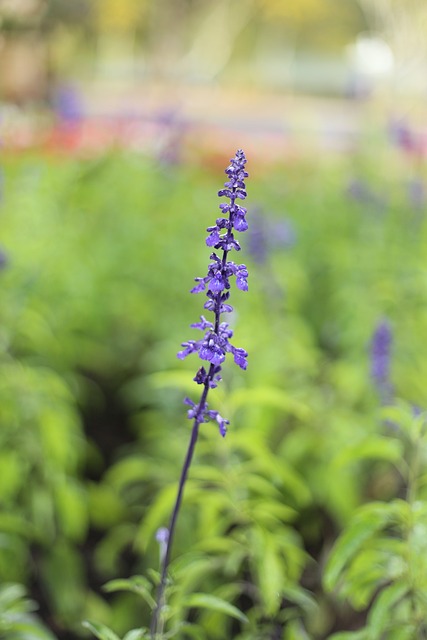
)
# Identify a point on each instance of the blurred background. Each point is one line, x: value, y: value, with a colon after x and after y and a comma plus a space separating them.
x: 117, y: 120
x: 245, y: 68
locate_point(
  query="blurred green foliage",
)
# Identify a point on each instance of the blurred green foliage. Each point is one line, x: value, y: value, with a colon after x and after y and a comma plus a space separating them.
x: 94, y: 303
x: 17, y: 619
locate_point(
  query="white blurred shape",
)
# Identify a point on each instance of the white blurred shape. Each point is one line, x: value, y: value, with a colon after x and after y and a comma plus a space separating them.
x: 371, y: 56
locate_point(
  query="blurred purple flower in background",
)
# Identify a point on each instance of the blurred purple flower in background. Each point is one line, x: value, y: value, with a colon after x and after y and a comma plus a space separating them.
x: 171, y: 135
x: 266, y: 234
x: 67, y: 104
x: 3, y: 259
x: 416, y: 193
x: 381, y: 360
x: 359, y: 191
x: 403, y: 136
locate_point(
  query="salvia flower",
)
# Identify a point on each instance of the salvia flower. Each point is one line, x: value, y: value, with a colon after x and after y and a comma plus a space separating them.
x: 215, y: 343
x: 213, y: 347
x: 380, y: 360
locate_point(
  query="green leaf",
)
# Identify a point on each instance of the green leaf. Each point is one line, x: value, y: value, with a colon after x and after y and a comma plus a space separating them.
x: 265, y: 462
x: 374, y: 447
x: 376, y: 564
x: 261, y: 486
x: 105, y: 506
x: 14, y: 523
x: 109, y: 550
x: 269, y: 397
x: 136, y: 584
x: 207, y: 473
x: 295, y: 631
x: 380, y: 616
x: 213, y: 603
x: 191, y: 570
x: 368, y: 520
x: 64, y: 577
x: 364, y: 576
x: 157, y: 515
x: 10, y: 594
x: 72, y: 510
x: 265, y: 512
x: 11, y: 478
x: 136, y: 634
x: 271, y: 576
x: 400, y: 413
x: 192, y: 630
x: 405, y: 631
x: 128, y: 471
x: 304, y: 599
x: 100, y: 630
x: 30, y: 630
x: 361, y: 634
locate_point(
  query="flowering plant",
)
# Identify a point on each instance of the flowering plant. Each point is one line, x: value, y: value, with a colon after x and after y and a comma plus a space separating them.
x: 215, y: 344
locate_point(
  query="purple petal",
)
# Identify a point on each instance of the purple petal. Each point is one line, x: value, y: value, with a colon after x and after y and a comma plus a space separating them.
x: 216, y: 284
x: 241, y: 283
x: 213, y: 239
x: 240, y: 224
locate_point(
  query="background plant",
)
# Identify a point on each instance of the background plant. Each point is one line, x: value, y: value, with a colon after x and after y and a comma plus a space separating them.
x: 379, y: 558
x: 87, y: 354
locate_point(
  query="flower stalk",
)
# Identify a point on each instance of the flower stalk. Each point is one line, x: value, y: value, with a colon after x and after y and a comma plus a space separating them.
x: 215, y: 344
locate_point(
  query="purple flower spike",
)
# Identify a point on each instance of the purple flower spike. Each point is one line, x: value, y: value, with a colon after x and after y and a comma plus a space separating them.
x: 380, y: 360
x: 215, y: 344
